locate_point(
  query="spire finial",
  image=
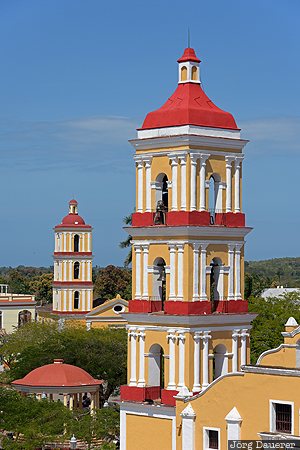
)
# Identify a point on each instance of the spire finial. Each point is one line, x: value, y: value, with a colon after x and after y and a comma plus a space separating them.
x: 189, y: 37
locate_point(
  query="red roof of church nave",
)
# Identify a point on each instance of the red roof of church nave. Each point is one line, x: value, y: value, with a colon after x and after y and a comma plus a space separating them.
x: 189, y: 105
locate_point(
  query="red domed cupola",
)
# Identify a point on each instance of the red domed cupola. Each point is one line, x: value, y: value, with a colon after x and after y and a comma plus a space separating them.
x: 189, y: 105
x: 73, y: 219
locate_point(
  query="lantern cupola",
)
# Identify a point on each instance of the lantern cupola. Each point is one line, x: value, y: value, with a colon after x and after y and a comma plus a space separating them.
x: 189, y: 70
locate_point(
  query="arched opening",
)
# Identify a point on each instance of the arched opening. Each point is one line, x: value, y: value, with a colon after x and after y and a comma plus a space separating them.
x: 24, y: 317
x: 76, y: 243
x: 76, y: 300
x: 156, y: 366
x: 220, y: 361
x: 159, y: 281
x: 76, y: 270
x: 194, y: 73
x: 216, y: 281
x: 183, y: 76
x: 162, y: 189
x: 214, y: 196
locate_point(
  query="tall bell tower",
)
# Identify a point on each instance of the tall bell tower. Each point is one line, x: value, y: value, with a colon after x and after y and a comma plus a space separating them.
x: 188, y: 322
x: 73, y: 285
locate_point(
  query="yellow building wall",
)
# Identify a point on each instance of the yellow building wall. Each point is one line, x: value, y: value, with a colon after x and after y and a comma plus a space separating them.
x: 250, y: 394
x: 10, y: 317
x: 148, y: 433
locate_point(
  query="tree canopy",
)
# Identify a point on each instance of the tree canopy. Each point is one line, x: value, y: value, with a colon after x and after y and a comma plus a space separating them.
x: 101, y: 352
x: 111, y: 281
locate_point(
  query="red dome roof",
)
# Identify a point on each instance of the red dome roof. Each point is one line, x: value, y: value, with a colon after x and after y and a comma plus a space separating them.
x: 73, y: 202
x: 56, y: 375
x: 73, y: 219
x: 189, y: 105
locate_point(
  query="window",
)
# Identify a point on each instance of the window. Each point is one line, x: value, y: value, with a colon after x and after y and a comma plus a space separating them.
x: 211, y: 438
x: 283, y: 418
x: 76, y: 243
x: 1, y: 320
x: 194, y: 73
x: 183, y: 73
x: 76, y: 270
x: 76, y: 300
x: 118, y: 309
x: 24, y: 317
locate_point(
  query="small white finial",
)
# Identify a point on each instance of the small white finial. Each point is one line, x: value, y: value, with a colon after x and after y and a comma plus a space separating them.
x: 292, y: 322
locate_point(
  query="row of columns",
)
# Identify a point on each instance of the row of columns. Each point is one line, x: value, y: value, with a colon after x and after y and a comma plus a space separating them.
x: 137, y: 335
x: 181, y: 161
x: 64, y: 270
x: 199, y: 273
x: 64, y: 241
x: 66, y: 297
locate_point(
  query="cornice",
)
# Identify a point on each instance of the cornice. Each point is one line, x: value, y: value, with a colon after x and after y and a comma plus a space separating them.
x: 187, y: 231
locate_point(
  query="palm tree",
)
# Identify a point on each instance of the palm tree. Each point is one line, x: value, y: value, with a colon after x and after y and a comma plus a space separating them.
x: 127, y: 242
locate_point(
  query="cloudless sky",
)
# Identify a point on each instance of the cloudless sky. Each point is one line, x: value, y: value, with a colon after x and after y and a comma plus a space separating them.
x: 77, y: 77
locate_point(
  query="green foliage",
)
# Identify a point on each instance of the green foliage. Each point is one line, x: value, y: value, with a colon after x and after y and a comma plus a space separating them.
x: 102, y: 352
x: 277, y: 271
x: 41, y: 287
x: 111, y: 281
x: 272, y: 315
x: 34, y: 422
x: 127, y: 242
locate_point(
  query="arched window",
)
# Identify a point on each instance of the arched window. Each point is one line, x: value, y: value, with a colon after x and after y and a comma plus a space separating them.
x: 194, y: 73
x: 220, y: 361
x: 183, y: 73
x: 216, y: 281
x: 159, y: 281
x: 214, y: 196
x: 156, y: 366
x: 76, y: 270
x: 76, y: 300
x: 162, y: 189
x: 24, y: 317
x: 76, y: 243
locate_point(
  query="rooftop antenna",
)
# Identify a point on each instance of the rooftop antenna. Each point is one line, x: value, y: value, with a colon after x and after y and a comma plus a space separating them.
x: 189, y: 38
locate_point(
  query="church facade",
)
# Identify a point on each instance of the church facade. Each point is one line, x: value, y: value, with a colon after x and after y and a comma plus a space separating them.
x: 190, y: 385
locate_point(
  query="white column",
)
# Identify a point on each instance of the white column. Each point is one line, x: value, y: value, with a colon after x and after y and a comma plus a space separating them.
x: 244, y: 335
x: 231, y: 272
x: 196, y: 386
x: 172, y: 249
x: 235, y: 344
x: 206, y: 337
x: 137, y: 249
x: 181, y: 372
x: 174, y: 165
x: 70, y: 264
x: 193, y: 205
x: 237, y: 165
x: 237, y: 274
x: 89, y: 242
x: 183, y: 182
x: 64, y: 293
x: 132, y: 339
x: 228, y: 183
x: 140, y: 189
x: 180, y: 251
x: 171, y: 339
x: 188, y: 428
x: 89, y: 264
x: 141, y: 336
x: 202, y: 203
x: 196, y: 273
x: 148, y: 184
x: 65, y: 242
x: 203, y: 295
x: 145, y: 295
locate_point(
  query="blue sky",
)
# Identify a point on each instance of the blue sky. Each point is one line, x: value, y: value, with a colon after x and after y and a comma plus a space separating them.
x: 77, y: 77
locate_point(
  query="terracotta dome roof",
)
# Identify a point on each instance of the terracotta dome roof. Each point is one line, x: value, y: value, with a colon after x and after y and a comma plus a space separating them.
x: 57, y: 374
x: 189, y: 105
x: 73, y: 219
x: 73, y: 202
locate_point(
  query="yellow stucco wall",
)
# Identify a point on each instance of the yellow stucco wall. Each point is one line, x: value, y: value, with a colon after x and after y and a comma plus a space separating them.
x: 148, y: 433
x: 10, y: 316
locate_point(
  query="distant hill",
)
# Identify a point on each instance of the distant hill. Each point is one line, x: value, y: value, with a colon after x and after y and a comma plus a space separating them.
x: 275, y: 272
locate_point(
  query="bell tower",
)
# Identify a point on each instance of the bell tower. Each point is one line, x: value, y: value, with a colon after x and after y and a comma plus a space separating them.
x: 73, y: 285
x: 188, y: 322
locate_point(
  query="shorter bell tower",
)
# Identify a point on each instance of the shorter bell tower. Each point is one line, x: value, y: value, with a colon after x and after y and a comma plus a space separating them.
x: 73, y: 285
